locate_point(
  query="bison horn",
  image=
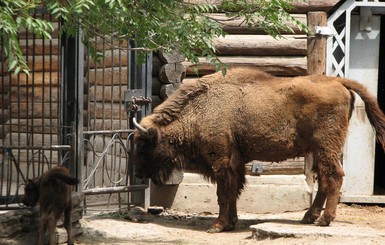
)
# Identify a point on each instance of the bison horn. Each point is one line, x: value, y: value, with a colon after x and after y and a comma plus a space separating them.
x: 137, y: 125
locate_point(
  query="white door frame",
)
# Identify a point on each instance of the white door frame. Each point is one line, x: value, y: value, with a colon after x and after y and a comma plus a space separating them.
x: 359, y: 150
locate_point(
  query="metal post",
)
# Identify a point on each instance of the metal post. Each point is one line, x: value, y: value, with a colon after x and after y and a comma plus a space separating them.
x: 72, y: 102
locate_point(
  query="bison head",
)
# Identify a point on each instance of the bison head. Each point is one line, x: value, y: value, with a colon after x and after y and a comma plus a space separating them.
x: 31, y: 193
x: 154, y: 158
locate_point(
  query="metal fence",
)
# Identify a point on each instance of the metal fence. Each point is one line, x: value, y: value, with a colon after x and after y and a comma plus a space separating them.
x: 74, y: 111
x: 111, y: 84
x: 31, y: 121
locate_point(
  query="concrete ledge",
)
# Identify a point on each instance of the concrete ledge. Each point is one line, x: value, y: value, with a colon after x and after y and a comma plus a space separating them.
x: 262, y: 194
x: 295, y: 229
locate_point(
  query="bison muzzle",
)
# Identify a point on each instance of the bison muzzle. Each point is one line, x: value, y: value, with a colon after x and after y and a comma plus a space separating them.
x: 216, y: 125
x: 52, y: 192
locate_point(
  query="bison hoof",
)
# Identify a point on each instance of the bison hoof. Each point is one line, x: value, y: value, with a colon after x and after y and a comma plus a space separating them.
x: 215, y: 230
x: 309, y: 218
x: 323, y: 221
x: 218, y: 228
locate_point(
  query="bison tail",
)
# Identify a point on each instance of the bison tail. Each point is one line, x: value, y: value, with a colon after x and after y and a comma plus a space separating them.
x: 375, y: 114
x: 66, y: 179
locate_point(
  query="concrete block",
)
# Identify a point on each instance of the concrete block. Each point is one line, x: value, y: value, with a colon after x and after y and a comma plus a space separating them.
x: 262, y: 194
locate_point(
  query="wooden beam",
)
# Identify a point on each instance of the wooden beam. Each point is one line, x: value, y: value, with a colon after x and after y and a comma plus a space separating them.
x: 172, y: 73
x: 314, y: 5
x: 4, y: 84
x: 33, y: 110
x: 36, y: 94
x: 109, y: 110
x: 316, y: 44
x: 36, y: 63
x: 39, y: 79
x: 111, y: 59
x: 289, y: 167
x: 39, y: 46
x: 40, y: 125
x: 108, y: 76
x: 238, y: 26
x: 107, y: 124
x: 4, y: 116
x: 316, y: 64
x: 281, y: 66
x: 107, y: 94
x: 261, y: 45
x: 115, y: 189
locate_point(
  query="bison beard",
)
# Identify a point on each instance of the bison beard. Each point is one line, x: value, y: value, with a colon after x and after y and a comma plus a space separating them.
x: 53, y: 193
x: 216, y: 125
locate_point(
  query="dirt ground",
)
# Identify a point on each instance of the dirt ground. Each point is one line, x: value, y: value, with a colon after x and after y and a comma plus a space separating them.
x: 355, y: 224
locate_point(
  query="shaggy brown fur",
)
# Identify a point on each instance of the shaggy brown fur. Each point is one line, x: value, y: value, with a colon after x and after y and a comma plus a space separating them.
x: 53, y: 193
x: 217, y: 124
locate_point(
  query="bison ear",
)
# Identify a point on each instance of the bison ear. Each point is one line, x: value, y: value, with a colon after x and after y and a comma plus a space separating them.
x: 152, y: 135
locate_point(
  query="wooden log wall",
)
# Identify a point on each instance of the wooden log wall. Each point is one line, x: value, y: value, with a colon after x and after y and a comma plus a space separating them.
x: 251, y: 46
x: 105, y: 85
x: 243, y: 46
x: 30, y: 104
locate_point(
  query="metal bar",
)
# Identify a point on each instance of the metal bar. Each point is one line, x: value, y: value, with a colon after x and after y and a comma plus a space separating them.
x: 116, y: 189
x: 48, y: 147
x: 108, y: 131
x: 79, y: 140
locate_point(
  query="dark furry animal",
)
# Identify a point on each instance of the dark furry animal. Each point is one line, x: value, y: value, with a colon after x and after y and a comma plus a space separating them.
x: 217, y: 124
x: 53, y: 193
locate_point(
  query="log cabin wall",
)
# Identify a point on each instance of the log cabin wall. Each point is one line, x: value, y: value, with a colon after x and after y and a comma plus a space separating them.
x: 30, y: 113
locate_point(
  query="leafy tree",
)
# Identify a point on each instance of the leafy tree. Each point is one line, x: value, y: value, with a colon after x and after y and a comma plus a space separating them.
x: 153, y: 24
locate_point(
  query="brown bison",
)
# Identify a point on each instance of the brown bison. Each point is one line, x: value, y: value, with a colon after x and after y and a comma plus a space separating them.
x: 217, y: 124
x: 53, y: 193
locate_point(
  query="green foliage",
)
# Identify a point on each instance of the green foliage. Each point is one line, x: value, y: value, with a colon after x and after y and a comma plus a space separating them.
x: 16, y: 15
x: 269, y: 15
x: 154, y: 25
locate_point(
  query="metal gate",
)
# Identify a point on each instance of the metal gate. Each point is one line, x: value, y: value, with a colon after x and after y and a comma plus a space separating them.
x: 32, y: 127
x: 76, y: 112
x: 116, y: 88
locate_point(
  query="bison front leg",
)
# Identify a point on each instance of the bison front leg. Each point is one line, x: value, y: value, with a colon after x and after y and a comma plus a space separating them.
x: 228, y: 189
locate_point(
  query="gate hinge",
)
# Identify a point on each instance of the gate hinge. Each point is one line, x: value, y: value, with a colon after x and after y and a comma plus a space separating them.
x: 323, y: 31
x: 135, y: 100
x: 257, y: 168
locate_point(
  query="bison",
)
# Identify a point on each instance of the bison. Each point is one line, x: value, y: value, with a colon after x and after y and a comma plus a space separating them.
x: 216, y: 125
x: 53, y: 193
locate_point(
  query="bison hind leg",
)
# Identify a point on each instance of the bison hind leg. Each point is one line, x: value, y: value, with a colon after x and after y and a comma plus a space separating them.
x: 330, y: 176
x: 43, y: 228
x: 315, y: 210
x: 68, y: 224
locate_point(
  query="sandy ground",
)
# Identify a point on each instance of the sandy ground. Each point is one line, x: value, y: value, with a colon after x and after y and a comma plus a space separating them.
x: 355, y: 224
